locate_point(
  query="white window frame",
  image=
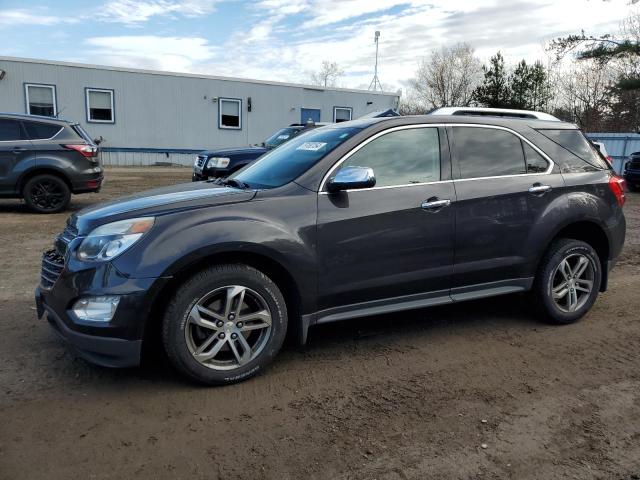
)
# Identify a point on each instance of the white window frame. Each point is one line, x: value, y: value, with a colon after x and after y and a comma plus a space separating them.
x: 41, y: 85
x: 88, y: 106
x: 234, y: 100
x: 349, y: 109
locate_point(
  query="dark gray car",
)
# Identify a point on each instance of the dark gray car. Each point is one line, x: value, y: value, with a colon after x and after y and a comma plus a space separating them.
x: 349, y: 220
x: 44, y: 160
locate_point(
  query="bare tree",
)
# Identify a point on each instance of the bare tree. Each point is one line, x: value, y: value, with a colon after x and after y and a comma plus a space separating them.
x: 585, y: 90
x: 328, y: 74
x: 448, y: 77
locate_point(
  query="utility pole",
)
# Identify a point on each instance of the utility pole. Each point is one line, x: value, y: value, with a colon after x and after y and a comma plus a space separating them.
x: 375, y: 83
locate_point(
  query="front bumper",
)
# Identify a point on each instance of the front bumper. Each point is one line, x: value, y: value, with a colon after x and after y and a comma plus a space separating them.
x: 210, y: 173
x: 116, y: 343
x: 104, y: 351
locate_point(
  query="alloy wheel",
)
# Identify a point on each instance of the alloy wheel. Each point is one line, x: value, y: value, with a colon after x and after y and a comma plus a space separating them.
x: 572, y: 282
x: 47, y: 194
x: 228, y: 327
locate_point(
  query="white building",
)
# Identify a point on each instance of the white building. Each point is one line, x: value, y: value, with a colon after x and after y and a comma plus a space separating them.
x: 148, y: 116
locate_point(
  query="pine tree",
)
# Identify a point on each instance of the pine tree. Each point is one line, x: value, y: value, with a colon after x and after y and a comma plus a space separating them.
x: 494, y: 90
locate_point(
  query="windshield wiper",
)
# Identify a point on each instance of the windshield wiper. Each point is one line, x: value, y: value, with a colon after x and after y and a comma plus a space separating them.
x: 234, y: 182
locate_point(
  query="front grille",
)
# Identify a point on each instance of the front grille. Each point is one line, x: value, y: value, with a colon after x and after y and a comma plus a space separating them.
x: 52, y: 265
x: 200, y: 161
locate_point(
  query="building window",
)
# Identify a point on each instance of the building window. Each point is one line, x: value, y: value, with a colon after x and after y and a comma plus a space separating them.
x: 100, y: 107
x: 230, y: 113
x: 40, y: 99
x: 342, y: 114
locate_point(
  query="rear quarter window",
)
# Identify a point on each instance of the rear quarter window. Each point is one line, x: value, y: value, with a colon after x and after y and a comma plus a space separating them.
x: 41, y: 131
x: 581, y: 155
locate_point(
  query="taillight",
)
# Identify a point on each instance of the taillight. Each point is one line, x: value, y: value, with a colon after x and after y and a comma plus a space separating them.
x: 609, y: 159
x: 617, y: 186
x: 84, y: 150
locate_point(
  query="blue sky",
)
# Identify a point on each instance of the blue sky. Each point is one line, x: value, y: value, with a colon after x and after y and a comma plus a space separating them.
x: 287, y: 39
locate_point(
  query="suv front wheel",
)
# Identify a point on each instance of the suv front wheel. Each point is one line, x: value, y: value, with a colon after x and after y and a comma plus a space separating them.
x: 568, y: 281
x: 46, y: 194
x: 225, y: 324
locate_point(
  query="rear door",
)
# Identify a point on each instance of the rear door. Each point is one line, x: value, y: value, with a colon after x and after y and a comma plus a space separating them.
x: 14, y: 148
x: 503, y: 184
x: 392, y: 240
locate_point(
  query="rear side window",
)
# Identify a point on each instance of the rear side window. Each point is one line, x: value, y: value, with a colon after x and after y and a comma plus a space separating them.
x: 402, y: 157
x: 585, y: 158
x: 10, y: 131
x: 487, y: 152
x: 535, y: 162
x: 41, y: 131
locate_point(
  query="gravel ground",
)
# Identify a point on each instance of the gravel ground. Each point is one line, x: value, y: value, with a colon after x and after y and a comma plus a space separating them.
x: 475, y: 390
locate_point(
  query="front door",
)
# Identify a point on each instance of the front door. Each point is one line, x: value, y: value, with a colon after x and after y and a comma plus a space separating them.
x: 392, y: 240
x: 307, y: 114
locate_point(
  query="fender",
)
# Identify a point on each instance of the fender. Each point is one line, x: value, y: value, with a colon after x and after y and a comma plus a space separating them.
x: 45, y: 164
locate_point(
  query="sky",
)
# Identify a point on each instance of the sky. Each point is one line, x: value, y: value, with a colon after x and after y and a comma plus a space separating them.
x: 285, y: 40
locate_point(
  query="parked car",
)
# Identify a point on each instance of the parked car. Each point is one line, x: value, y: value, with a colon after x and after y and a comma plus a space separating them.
x: 603, y: 151
x: 222, y: 163
x: 632, y: 172
x: 44, y: 160
x: 350, y: 220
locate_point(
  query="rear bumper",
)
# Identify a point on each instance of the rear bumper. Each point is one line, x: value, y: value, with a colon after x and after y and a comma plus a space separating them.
x: 104, y: 351
x: 88, y: 183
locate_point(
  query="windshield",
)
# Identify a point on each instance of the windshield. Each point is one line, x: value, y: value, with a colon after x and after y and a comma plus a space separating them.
x: 280, y: 137
x: 284, y: 164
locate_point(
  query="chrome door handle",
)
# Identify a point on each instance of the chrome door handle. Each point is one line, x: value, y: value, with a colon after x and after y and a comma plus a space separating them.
x: 17, y: 150
x: 435, y: 204
x: 537, y: 188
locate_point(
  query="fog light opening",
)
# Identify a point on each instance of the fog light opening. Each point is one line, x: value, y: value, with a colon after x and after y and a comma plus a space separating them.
x: 96, y: 309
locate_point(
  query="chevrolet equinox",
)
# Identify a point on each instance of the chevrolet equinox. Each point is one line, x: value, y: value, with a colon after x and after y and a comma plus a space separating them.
x: 349, y: 220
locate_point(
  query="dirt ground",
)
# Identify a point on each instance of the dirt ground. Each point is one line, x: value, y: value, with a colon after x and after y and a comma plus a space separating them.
x: 471, y: 391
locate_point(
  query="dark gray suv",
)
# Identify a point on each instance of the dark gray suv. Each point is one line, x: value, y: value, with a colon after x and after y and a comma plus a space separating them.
x: 44, y: 160
x: 349, y: 220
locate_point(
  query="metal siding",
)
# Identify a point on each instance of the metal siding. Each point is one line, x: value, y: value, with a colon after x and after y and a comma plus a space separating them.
x: 619, y: 146
x: 168, y: 111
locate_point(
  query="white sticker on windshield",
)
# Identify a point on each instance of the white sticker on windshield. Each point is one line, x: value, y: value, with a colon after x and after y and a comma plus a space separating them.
x: 283, y: 137
x: 312, y: 146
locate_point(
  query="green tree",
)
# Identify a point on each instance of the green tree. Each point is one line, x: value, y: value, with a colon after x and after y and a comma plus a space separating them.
x: 494, y: 90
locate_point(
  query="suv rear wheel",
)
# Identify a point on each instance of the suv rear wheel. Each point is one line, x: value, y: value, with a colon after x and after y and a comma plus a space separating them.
x: 46, y: 194
x: 225, y: 324
x: 568, y: 281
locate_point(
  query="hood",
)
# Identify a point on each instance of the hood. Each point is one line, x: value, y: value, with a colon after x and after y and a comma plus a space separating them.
x: 158, y: 201
x: 230, y: 152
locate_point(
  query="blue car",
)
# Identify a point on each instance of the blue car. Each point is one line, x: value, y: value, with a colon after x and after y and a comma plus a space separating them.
x: 222, y: 163
x: 632, y: 172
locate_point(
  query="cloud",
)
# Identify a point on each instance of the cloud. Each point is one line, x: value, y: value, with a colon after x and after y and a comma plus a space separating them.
x: 32, y: 16
x: 152, y: 52
x: 139, y: 11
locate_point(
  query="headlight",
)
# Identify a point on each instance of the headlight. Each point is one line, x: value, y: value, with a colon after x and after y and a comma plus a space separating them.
x: 110, y: 240
x: 195, y: 161
x: 219, y: 162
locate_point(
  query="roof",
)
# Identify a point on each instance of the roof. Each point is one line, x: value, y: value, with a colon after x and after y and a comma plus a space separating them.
x: 25, y: 116
x: 509, y: 122
x: 498, y: 112
x: 190, y: 75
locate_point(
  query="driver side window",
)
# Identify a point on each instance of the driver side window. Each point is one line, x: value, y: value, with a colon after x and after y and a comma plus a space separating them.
x: 401, y: 157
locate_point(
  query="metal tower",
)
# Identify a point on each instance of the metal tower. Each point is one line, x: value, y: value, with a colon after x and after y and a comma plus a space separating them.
x: 375, y: 83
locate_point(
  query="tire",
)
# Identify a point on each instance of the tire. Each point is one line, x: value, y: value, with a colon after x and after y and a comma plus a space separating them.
x: 570, y: 302
x: 46, y: 194
x: 205, y: 336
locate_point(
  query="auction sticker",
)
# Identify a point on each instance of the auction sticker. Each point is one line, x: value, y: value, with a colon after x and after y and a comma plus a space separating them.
x: 312, y: 146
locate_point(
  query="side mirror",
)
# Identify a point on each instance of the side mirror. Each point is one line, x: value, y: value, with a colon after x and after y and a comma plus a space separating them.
x: 350, y: 178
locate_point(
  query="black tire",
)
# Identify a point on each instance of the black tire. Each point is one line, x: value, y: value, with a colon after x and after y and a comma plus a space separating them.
x: 178, y: 340
x: 550, y: 275
x: 46, y: 194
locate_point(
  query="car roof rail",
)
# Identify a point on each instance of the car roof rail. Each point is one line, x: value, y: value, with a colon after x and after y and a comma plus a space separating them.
x: 494, y: 112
